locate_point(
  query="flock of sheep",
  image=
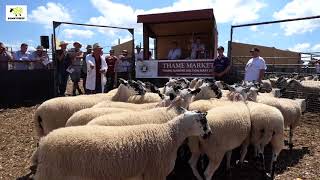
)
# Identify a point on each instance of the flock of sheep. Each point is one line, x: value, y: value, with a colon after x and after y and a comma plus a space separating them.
x: 134, y: 131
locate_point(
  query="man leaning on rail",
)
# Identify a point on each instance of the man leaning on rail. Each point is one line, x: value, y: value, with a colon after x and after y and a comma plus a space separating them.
x: 5, y: 56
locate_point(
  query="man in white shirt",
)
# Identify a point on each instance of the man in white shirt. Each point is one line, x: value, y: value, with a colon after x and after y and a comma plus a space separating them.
x: 255, y: 67
x: 175, y: 52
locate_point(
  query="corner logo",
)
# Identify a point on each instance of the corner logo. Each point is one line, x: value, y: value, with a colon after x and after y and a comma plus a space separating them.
x: 16, y: 13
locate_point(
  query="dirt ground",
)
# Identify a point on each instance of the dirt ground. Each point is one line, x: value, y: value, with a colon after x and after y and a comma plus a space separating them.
x: 18, y: 140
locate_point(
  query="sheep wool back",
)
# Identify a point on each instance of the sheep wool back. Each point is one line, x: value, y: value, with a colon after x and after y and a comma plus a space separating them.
x: 130, y: 106
x: 290, y: 109
x: 117, y: 153
x: 205, y: 105
x: 151, y: 116
x: 147, y: 98
x: 84, y: 116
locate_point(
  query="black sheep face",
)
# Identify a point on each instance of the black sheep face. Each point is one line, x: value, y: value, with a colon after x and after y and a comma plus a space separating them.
x: 137, y: 87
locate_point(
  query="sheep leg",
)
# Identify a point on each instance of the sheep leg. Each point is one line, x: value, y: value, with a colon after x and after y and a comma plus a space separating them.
x: 213, y: 165
x: 193, y: 164
x: 244, y: 150
x: 290, y: 139
x: 228, y: 155
x: 273, y: 164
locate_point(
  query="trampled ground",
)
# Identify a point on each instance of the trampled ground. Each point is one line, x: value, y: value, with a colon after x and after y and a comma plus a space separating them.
x: 18, y: 140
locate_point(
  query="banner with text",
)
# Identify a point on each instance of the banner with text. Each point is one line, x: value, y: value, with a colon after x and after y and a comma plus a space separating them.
x: 174, y: 68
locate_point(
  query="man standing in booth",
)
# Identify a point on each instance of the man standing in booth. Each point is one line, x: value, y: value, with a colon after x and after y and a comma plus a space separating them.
x: 221, y: 65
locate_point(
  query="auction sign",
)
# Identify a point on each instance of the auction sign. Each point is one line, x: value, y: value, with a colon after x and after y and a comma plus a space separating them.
x: 174, y: 68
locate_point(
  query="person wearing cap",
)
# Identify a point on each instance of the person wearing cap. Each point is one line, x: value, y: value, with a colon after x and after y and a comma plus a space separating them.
x: 84, y: 67
x: 75, y: 67
x: 175, y: 52
x: 63, y: 61
x: 255, y: 67
x: 5, y: 56
x: 41, y: 58
x: 22, y: 57
x: 96, y: 69
x: 139, y: 54
x: 111, y: 61
x: 221, y: 65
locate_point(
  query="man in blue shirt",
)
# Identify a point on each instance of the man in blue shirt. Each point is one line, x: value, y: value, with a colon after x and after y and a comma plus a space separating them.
x: 221, y: 65
x: 22, y: 57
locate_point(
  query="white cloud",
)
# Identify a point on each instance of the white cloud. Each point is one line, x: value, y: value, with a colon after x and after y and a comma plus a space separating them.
x: 117, y: 14
x: 71, y: 33
x: 254, y: 28
x: 316, y: 48
x: 51, y: 12
x: 301, y: 47
x: 296, y: 9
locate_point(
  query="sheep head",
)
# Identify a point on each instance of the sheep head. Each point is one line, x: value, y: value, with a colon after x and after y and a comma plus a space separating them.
x: 198, y: 123
x: 137, y: 87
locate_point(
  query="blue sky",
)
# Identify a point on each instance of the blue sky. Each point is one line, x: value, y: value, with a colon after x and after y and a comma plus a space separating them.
x: 299, y: 36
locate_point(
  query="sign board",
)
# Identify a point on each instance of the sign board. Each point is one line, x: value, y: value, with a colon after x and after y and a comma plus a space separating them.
x: 174, y: 68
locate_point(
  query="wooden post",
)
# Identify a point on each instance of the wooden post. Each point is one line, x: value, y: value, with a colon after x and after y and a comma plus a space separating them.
x: 145, y: 41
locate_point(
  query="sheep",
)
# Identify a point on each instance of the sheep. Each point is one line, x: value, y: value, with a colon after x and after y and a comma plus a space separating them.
x: 84, y: 116
x: 264, y: 122
x: 229, y: 130
x: 54, y: 113
x: 290, y: 109
x: 146, y: 98
x: 117, y: 153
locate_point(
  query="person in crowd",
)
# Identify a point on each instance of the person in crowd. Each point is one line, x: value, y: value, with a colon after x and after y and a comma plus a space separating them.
x: 256, y: 67
x: 221, y: 65
x: 22, y: 57
x: 41, y: 58
x: 175, y: 52
x: 197, y: 49
x: 84, y: 67
x: 317, y: 66
x: 111, y: 61
x: 96, y: 69
x: 63, y: 62
x: 5, y: 57
x: 139, y: 53
x: 75, y: 69
x: 123, y: 66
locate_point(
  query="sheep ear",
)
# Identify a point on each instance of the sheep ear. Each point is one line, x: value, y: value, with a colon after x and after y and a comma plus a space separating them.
x: 183, y: 110
x: 122, y: 81
x: 196, y: 91
x: 172, y: 96
x: 230, y: 88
